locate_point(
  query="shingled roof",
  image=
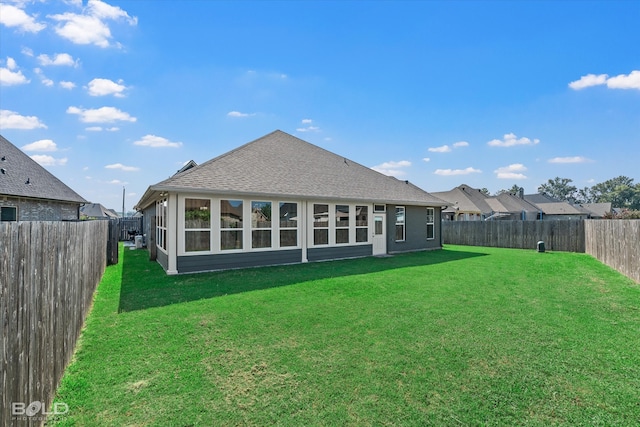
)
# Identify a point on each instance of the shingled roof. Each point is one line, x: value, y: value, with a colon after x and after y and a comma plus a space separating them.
x: 281, y: 165
x: 21, y: 176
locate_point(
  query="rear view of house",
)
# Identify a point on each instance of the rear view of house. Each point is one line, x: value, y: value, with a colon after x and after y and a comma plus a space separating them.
x: 28, y: 192
x: 281, y: 200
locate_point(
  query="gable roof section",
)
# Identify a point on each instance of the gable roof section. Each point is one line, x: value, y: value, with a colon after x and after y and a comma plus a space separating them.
x: 281, y: 165
x: 96, y: 210
x: 465, y: 199
x: 559, y: 208
x: 20, y: 169
x: 513, y: 203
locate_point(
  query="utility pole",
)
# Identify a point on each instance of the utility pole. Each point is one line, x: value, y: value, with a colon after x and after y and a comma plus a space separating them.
x: 123, y: 202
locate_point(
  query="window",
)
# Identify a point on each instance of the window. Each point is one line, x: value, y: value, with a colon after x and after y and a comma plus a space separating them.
x: 320, y: 224
x: 378, y: 208
x: 197, y: 224
x: 260, y: 224
x: 400, y: 224
x: 288, y: 224
x: 362, y: 224
x: 342, y: 224
x: 230, y: 224
x: 8, y: 213
x: 161, y: 224
x: 431, y: 223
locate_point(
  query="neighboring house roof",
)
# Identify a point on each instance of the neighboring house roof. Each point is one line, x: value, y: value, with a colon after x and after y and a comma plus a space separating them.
x: 96, y: 210
x: 190, y: 164
x: 464, y: 198
x: 598, y: 210
x: 513, y: 203
x: 559, y: 208
x: 540, y: 198
x: 21, y: 176
x: 281, y: 165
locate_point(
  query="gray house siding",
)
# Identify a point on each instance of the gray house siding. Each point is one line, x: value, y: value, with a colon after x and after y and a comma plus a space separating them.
x: 323, y: 254
x: 162, y: 259
x: 415, y: 230
x: 41, y: 210
x: 195, y: 263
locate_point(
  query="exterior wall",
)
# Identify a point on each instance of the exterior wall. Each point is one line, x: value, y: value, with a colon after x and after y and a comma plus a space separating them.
x: 41, y: 210
x: 162, y: 259
x: 192, y: 264
x: 147, y: 214
x: 339, y: 252
x: 416, y: 230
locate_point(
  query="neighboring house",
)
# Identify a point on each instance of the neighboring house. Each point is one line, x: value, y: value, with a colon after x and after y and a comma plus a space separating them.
x: 597, y: 210
x: 281, y: 200
x: 470, y: 204
x: 552, y: 208
x: 465, y: 204
x: 97, y: 211
x: 28, y: 192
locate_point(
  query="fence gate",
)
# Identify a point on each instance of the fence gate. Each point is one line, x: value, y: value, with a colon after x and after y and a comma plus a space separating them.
x: 129, y: 227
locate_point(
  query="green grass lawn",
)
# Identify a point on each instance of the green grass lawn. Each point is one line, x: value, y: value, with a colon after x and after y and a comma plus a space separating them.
x: 464, y: 336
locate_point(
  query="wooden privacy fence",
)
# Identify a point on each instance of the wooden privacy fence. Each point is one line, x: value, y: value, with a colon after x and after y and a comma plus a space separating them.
x: 48, y: 274
x: 615, y: 243
x: 129, y: 227
x: 560, y: 235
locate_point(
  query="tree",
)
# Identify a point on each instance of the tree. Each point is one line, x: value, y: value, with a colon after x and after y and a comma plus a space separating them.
x: 515, y: 189
x: 485, y: 191
x: 619, y: 191
x: 559, y: 188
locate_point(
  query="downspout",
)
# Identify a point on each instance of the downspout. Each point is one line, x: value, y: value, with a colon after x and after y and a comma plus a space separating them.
x: 440, y: 230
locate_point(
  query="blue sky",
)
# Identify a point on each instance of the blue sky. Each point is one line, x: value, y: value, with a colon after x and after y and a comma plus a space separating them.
x: 490, y: 94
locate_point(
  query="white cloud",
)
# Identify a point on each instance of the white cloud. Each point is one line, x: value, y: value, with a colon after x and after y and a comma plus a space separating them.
x: 392, y: 168
x: 117, y: 182
x: 513, y: 171
x: 622, y: 81
x: 101, y: 87
x: 57, y: 59
x: 45, y: 160
x: 47, y: 82
x: 239, y: 114
x: 454, y: 172
x: 10, y: 75
x: 426, y: 159
x: 306, y: 121
x: 94, y: 129
x: 122, y: 167
x: 511, y: 140
x: 574, y: 159
x: 12, y: 16
x: 156, y: 142
x: 588, y: 81
x: 67, y: 85
x: 442, y: 149
x: 112, y: 129
x: 12, y: 120
x: 27, y: 51
x: 101, y: 115
x: 90, y: 27
x: 460, y: 144
x: 309, y: 129
x: 41, y: 145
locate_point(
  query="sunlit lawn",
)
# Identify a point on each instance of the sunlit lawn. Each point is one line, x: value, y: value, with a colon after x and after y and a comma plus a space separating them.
x: 463, y: 336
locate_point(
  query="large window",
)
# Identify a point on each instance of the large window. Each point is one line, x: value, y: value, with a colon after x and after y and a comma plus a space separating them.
x: 400, y: 224
x: 8, y: 213
x: 320, y: 224
x: 431, y: 227
x: 197, y: 224
x: 342, y: 224
x: 231, y: 224
x: 362, y: 224
x: 260, y: 224
x: 288, y: 224
x: 161, y: 224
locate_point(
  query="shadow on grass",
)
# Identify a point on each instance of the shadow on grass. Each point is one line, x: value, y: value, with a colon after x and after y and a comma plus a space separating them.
x: 145, y: 284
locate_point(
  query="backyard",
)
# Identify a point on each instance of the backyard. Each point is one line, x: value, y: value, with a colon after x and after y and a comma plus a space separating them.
x: 462, y: 336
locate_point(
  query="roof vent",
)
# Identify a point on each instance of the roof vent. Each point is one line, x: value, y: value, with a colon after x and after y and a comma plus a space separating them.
x: 28, y: 181
x: 3, y: 171
x: 4, y: 158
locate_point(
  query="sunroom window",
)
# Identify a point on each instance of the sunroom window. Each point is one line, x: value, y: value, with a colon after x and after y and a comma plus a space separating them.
x: 400, y: 224
x: 288, y: 224
x: 362, y: 224
x: 342, y: 224
x: 431, y: 223
x: 231, y: 224
x: 320, y: 224
x: 260, y: 224
x: 197, y: 224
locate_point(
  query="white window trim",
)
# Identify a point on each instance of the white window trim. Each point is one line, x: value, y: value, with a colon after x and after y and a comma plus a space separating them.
x: 272, y: 228
x: 161, y: 224
x: 182, y: 230
x: 431, y: 215
x: 332, y: 223
x: 404, y: 224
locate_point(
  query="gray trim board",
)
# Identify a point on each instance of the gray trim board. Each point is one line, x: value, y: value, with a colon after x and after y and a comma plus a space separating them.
x: 338, y: 252
x: 163, y: 259
x: 196, y: 263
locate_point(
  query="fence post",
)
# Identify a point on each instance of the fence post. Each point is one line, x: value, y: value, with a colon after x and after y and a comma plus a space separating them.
x: 112, y: 242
